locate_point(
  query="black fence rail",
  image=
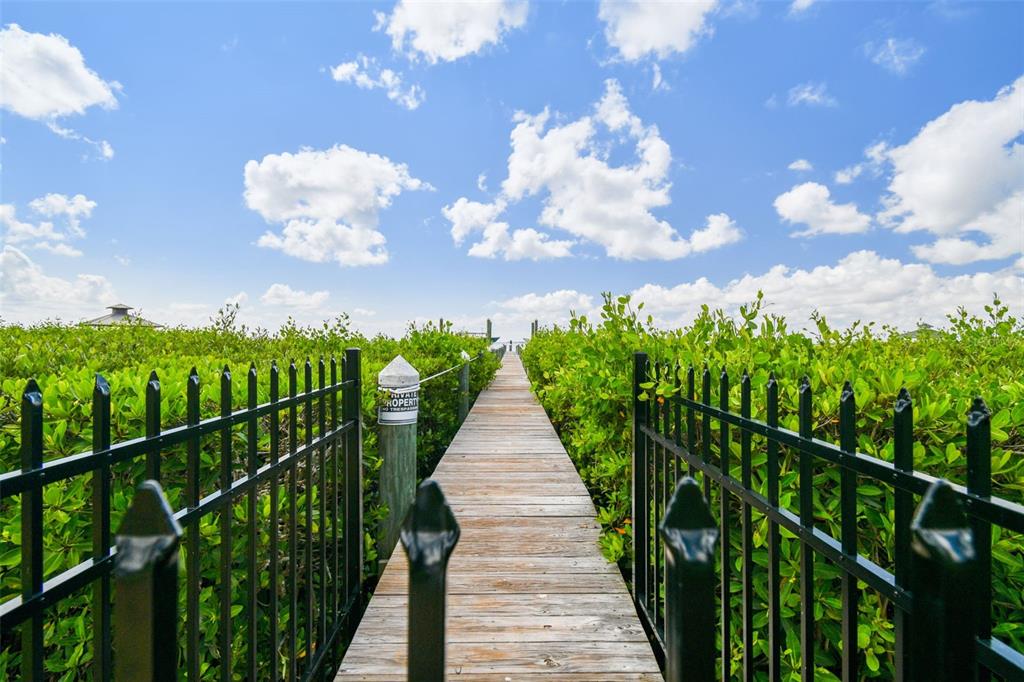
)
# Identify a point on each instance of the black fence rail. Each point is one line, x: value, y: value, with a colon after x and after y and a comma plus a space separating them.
x: 939, y: 591
x: 290, y: 599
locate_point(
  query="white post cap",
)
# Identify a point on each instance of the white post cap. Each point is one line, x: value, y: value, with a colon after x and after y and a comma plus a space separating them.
x: 464, y: 355
x: 398, y: 374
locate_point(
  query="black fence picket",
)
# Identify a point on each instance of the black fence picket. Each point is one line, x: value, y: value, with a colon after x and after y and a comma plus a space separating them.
x: 965, y: 615
x: 429, y: 535
x: 323, y: 590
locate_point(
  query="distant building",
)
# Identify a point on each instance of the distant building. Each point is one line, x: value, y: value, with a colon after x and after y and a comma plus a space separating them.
x: 119, y: 315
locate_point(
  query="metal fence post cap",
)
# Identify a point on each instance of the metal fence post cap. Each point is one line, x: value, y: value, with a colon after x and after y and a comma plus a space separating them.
x: 689, y: 530
x: 398, y: 374
x: 464, y: 355
x: 940, y: 528
x: 148, y: 533
x: 430, y: 531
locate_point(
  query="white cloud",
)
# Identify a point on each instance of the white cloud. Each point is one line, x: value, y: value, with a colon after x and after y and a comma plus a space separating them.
x: 481, y: 182
x: 639, y: 29
x: 550, y: 308
x: 364, y: 312
x: 874, y: 156
x: 811, y: 204
x: 73, y: 208
x: 812, y: 95
x: 366, y: 73
x: 583, y: 194
x: 27, y: 294
x: 657, y: 82
x: 801, y: 165
x: 524, y: 244
x: 895, y: 54
x: 44, y: 77
x: 861, y: 286
x: 328, y: 201
x: 798, y: 6
x: 720, y: 230
x: 450, y: 30
x: 44, y: 235
x: 284, y: 295
x: 963, y: 175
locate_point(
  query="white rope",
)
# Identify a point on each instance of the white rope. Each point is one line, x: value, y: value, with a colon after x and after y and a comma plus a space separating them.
x: 416, y: 387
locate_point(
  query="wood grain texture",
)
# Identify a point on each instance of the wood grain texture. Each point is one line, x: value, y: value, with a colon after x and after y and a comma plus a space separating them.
x: 529, y: 595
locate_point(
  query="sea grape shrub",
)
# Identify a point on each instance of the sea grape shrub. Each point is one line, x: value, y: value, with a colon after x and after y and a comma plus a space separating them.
x: 582, y: 375
x: 65, y: 360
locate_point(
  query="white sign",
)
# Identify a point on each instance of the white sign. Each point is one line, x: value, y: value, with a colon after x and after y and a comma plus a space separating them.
x: 402, y: 407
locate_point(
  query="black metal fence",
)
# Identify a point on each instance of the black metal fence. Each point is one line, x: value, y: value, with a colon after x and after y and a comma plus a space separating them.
x: 944, y: 623
x: 300, y: 579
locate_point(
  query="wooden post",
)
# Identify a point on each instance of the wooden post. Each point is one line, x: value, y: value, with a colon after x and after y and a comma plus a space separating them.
x: 397, y: 436
x: 464, y: 387
x: 490, y: 338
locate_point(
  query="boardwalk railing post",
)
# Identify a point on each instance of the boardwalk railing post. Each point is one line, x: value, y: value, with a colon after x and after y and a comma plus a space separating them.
x: 490, y: 338
x: 146, y: 590
x: 397, y: 419
x: 429, y: 535
x: 943, y: 581
x: 690, y: 536
x: 641, y: 517
x: 464, y: 387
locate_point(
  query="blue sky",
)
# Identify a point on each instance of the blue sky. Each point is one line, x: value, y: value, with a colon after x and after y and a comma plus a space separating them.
x: 397, y: 164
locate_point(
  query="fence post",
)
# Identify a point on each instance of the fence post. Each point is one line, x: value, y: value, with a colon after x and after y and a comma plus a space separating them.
x: 943, y: 579
x: 464, y: 387
x: 690, y: 535
x: 429, y: 535
x: 641, y: 518
x: 489, y: 339
x: 397, y: 419
x: 146, y: 590
x: 351, y: 409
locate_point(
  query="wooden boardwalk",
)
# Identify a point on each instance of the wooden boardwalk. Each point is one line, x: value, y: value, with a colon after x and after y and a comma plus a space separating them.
x: 529, y: 595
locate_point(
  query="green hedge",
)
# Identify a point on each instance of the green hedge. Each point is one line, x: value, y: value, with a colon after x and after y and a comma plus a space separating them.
x: 582, y: 375
x: 65, y: 360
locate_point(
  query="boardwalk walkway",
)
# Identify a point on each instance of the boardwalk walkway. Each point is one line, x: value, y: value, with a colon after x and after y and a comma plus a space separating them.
x: 529, y: 595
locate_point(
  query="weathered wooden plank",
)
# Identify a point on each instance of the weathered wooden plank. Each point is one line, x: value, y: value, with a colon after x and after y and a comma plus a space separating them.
x: 593, y: 658
x: 529, y: 595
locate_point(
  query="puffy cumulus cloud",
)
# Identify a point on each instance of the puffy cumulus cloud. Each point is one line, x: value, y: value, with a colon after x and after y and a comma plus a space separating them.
x: 584, y: 195
x: 639, y: 29
x: 812, y: 95
x: 72, y: 208
x: 961, y: 178
x: 468, y: 216
x: 551, y: 308
x: 28, y: 294
x: 450, y: 30
x: 862, y: 286
x: 520, y: 244
x: 44, y: 77
x: 720, y: 230
x: 800, y: 165
x: 284, y: 295
x: 895, y: 55
x: 328, y: 202
x: 811, y: 204
x: 45, y: 235
x: 366, y: 73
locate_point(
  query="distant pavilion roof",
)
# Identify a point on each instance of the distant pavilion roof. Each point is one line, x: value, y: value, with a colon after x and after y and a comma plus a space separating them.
x: 119, y: 315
